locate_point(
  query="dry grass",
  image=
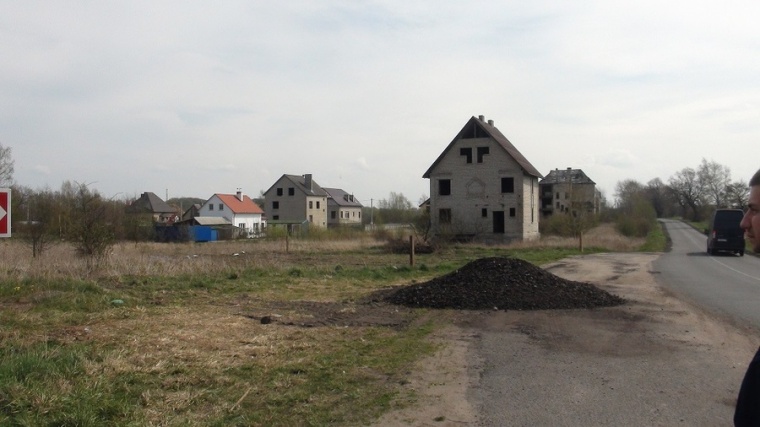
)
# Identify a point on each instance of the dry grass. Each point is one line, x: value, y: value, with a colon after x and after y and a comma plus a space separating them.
x: 161, y: 259
x: 186, y: 347
x: 603, y: 236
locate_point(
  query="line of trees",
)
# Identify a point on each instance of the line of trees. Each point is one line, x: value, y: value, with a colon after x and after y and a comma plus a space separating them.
x: 690, y: 193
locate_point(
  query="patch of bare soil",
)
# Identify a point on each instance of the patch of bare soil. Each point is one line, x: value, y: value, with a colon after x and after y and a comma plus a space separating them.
x: 655, y: 360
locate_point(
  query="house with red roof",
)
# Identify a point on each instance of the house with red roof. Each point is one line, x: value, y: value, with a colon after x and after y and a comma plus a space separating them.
x: 238, y: 210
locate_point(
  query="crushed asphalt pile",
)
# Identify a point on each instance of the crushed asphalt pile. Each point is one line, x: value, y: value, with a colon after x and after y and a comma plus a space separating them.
x: 502, y: 284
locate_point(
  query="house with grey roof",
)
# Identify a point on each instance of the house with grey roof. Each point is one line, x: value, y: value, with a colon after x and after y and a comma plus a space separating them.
x: 150, y: 204
x: 482, y: 187
x: 569, y: 191
x: 296, y: 200
x: 343, y: 209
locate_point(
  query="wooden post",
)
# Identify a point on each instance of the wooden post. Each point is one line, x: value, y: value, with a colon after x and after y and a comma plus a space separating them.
x: 287, y: 241
x: 411, y: 251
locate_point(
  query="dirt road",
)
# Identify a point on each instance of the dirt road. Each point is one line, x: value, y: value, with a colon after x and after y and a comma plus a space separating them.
x: 654, y: 361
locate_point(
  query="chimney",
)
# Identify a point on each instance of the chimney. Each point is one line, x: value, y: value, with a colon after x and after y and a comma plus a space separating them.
x: 490, y: 122
x: 307, y: 181
x: 239, y: 194
x: 482, y: 118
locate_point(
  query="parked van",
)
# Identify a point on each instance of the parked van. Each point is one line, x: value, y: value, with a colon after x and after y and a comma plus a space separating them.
x: 724, y: 233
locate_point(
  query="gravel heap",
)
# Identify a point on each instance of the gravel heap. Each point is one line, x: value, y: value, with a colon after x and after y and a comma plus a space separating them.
x: 502, y: 284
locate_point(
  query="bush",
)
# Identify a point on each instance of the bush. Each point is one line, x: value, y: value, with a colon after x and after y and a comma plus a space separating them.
x: 638, y: 220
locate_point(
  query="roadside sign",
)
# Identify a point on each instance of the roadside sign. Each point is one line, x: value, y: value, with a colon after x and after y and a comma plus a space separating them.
x: 5, y: 212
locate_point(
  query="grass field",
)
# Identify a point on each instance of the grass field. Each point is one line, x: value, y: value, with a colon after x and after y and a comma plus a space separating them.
x: 174, y: 334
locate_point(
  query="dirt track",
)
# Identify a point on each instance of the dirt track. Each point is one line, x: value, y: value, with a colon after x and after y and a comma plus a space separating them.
x: 653, y: 361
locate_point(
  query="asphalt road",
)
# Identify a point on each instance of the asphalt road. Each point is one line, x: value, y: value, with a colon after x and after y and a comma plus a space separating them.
x: 726, y: 284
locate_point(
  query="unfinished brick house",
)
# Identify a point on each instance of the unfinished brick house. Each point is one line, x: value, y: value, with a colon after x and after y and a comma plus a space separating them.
x: 569, y: 191
x: 482, y: 187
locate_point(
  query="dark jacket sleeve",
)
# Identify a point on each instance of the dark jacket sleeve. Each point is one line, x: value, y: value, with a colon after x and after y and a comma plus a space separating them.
x: 748, y: 403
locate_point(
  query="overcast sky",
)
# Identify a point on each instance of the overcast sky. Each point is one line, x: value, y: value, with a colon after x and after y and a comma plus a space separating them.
x: 197, y: 97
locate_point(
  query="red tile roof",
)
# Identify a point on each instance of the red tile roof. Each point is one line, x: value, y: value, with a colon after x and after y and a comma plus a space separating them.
x: 245, y: 206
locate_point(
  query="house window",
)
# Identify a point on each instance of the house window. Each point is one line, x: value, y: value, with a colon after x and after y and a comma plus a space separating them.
x: 311, y: 204
x: 512, y: 212
x: 275, y: 217
x: 279, y: 191
x: 291, y: 191
x: 467, y: 152
x: 241, y: 225
x: 275, y: 205
x: 482, y: 151
x: 444, y: 216
x: 508, y: 185
x: 211, y: 206
x: 311, y: 219
x: 221, y: 207
x: 332, y: 214
x: 557, y: 195
x: 360, y: 214
x: 484, y: 213
x: 317, y: 204
x: 444, y: 187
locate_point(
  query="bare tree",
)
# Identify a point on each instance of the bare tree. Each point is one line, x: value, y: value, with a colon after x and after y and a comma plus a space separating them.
x: 688, y: 192
x: 714, y: 178
x: 6, y: 166
x: 737, y: 194
x: 93, y: 227
x: 36, y: 226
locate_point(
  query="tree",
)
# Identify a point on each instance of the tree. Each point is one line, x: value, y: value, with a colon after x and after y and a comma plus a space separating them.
x: 626, y: 192
x: 688, y: 192
x: 737, y: 195
x: 396, y: 209
x: 37, y: 211
x: 6, y: 166
x: 93, y: 222
x: 714, y: 178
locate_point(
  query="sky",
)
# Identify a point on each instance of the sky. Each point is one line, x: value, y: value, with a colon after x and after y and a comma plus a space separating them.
x: 193, y: 98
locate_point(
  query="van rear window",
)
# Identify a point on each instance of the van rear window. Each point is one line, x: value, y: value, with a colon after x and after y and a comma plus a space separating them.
x: 728, y: 218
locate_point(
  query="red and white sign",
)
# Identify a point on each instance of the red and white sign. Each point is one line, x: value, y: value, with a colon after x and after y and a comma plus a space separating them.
x: 5, y: 212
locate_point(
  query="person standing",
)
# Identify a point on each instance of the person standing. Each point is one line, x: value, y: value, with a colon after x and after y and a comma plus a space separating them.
x: 748, y: 403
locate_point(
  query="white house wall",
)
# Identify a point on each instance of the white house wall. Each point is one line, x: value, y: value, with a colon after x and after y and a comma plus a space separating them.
x: 251, y: 221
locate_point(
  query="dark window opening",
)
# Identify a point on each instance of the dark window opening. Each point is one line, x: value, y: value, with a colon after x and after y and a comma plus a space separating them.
x: 512, y: 212
x: 467, y: 152
x: 291, y: 191
x: 482, y: 151
x: 507, y: 185
x: 275, y: 217
x: 311, y: 204
x: 444, y: 187
x: 444, y: 216
x: 275, y: 205
x: 484, y: 213
x: 474, y: 131
x: 279, y: 191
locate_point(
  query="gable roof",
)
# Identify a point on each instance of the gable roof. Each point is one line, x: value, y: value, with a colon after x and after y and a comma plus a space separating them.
x: 487, y: 129
x: 301, y: 182
x: 237, y: 206
x: 560, y: 176
x: 149, y: 202
x: 341, y: 198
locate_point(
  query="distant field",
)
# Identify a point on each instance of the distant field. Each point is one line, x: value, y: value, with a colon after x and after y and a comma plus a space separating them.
x: 226, y: 333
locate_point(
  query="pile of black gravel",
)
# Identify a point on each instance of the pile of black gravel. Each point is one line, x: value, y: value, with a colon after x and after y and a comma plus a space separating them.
x: 502, y: 284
